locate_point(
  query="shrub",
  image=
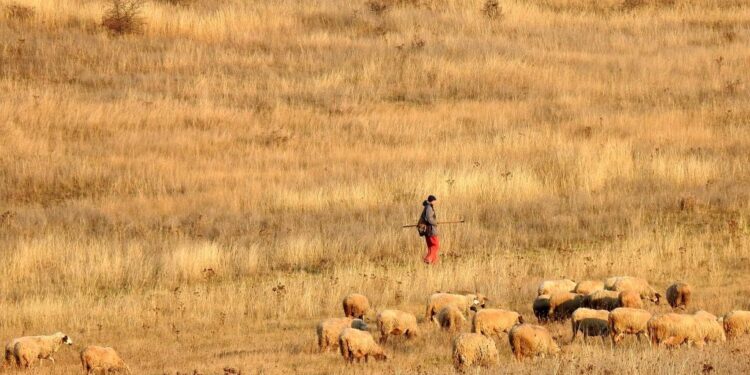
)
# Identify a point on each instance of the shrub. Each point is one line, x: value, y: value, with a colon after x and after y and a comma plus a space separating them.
x: 124, y: 17
x: 19, y: 12
x: 492, y: 10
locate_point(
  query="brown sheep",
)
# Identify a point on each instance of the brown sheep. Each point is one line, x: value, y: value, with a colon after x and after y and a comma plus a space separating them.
x: 451, y: 318
x: 639, y: 285
x: 736, y: 323
x: 356, y: 306
x: 355, y: 345
x: 625, y: 320
x: 630, y: 298
x: 495, y: 321
x: 541, y: 308
x: 563, y: 304
x: 679, y: 295
x: 437, y: 301
x: 590, y: 323
x: 396, y: 322
x: 555, y: 286
x: 603, y: 300
x: 473, y: 349
x: 527, y: 340
x: 329, y: 331
x: 97, y: 358
x: 588, y: 286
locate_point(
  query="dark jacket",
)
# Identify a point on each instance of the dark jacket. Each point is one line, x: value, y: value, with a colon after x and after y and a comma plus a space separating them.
x: 428, y: 216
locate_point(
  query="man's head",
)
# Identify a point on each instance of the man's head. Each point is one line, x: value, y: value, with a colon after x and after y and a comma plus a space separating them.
x: 432, y: 199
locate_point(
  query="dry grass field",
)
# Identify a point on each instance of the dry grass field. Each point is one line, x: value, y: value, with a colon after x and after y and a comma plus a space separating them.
x: 200, y: 192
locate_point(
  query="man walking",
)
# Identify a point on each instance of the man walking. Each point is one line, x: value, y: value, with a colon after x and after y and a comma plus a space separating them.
x: 427, y: 226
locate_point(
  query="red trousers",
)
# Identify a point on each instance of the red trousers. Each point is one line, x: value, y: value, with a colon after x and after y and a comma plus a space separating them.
x: 433, y: 245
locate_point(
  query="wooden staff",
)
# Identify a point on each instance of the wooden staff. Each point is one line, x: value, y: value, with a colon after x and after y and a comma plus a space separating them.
x: 439, y: 222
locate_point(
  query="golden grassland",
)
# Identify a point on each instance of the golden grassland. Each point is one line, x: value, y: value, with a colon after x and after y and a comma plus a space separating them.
x: 198, y: 195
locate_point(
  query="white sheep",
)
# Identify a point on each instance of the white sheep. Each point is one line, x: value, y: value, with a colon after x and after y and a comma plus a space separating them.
x: 437, y: 301
x: 710, y: 327
x: 355, y: 345
x: 603, y: 300
x: 474, y: 349
x: 26, y: 350
x: 105, y: 359
x: 588, y: 286
x: 562, y: 305
x: 630, y: 298
x: 675, y: 329
x: 528, y: 340
x: 736, y: 323
x: 625, y: 320
x: 329, y: 331
x: 356, y: 305
x: 556, y: 286
x: 638, y: 285
x: 590, y: 322
x: 396, y: 322
x: 495, y: 321
x: 609, y: 283
x: 451, y: 318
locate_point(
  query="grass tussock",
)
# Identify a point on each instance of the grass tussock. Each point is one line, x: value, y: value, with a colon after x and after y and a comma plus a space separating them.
x: 201, y: 193
x: 124, y: 17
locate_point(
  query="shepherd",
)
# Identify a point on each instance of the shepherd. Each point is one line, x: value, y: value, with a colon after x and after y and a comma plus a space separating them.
x: 427, y: 226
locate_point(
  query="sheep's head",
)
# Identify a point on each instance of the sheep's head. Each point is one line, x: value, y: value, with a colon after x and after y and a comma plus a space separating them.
x: 412, y: 333
x: 380, y: 355
x: 478, y: 301
x: 657, y: 298
x: 359, y: 324
x: 64, y: 339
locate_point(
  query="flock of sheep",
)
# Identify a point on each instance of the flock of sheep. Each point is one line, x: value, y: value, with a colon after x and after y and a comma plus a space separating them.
x: 611, y: 308
x: 25, y: 351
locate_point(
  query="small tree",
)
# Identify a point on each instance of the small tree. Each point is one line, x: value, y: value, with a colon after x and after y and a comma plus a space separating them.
x: 124, y: 17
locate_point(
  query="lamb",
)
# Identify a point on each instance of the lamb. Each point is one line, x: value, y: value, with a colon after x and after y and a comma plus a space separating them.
x: 329, y: 331
x: 630, y: 298
x: 26, y: 350
x: 590, y: 322
x: 495, y: 321
x: 97, y: 358
x: 355, y: 345
x: 603, y: 300
x: 589, y: 286
x: 527, y: 340
x: 736, y: 323
x: 451, y: 318
x: 563, y: 304
x: 638, y: 285
x: 679, y: 295
x: 356, y: 306
x: 474, y: 349
x: 625, y: 320
x: 464, y: 303
x: 396, y: 322
x: 541, y: 308
x: 710, y: 327
x: 556, y: 286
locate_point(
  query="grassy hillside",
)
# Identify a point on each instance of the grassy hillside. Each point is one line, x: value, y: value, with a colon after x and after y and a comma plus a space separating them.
x: 200, y: 192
